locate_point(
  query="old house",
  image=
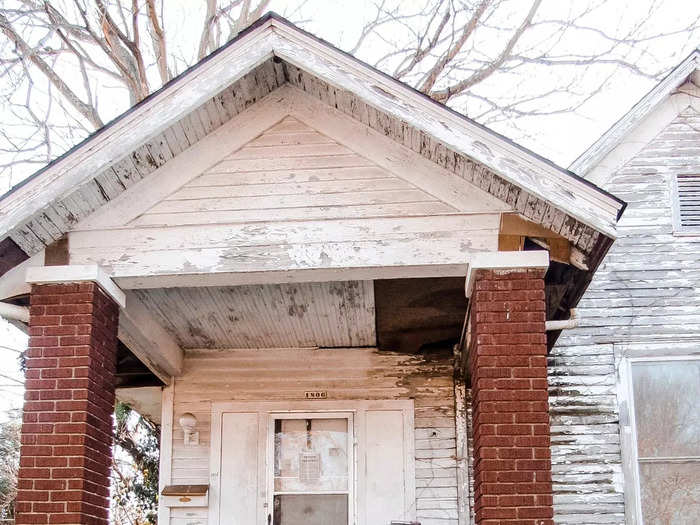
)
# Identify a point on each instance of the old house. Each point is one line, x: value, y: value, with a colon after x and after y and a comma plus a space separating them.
x: 624, y: 385
x: 342, y: 293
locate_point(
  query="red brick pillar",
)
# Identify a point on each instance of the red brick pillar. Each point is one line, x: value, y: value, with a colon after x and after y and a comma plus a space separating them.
x: 66, y: 450
x: 508, y: 367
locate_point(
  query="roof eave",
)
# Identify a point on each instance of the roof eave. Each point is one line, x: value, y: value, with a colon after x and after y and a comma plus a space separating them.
x: 607, y: 142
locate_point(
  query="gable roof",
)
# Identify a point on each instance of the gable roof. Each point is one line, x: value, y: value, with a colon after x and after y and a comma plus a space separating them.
x: 47, y: 204
x: 616, y: 134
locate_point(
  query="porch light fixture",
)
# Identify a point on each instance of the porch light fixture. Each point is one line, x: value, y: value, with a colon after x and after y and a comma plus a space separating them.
x: 188, y: 423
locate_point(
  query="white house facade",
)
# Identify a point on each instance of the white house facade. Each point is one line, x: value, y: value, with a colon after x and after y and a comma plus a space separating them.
x: 341, y: 300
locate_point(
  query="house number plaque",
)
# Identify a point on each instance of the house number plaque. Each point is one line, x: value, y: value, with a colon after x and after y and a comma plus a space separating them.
x: 316, y: 394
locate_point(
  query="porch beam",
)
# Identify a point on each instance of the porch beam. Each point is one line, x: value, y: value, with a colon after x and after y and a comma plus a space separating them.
x: 148, y: 340
x: 138, y: 329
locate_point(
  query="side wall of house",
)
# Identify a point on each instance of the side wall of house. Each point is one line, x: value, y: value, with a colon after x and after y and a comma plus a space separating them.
x: 647, y: 290
x: 357, y: 373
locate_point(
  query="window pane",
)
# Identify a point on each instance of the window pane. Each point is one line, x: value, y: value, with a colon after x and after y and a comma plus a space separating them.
x: 311, y: 455
x: 666, y: 408
x: 312, y: 509
x: 670, y: 493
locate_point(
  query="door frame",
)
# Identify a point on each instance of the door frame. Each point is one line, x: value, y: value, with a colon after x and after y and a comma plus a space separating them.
x: 266, y: 408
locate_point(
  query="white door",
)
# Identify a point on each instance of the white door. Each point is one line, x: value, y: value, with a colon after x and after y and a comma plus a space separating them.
x: 240, y: 459
x: 312, y: 463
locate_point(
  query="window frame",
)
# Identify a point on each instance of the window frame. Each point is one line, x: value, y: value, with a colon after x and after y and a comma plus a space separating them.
x: 349, y: 416
x: 678, y: 228
x: 626, y: 355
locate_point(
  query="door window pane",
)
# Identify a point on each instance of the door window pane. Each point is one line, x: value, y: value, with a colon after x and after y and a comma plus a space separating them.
x: 666, y: 398
x: 311, y: 455
x: 311, y: 509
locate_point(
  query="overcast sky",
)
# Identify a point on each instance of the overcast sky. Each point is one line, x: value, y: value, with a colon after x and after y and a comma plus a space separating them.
x: 560, y: 138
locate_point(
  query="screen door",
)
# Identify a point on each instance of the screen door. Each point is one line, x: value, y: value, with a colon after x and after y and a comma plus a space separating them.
x: 311, y: 468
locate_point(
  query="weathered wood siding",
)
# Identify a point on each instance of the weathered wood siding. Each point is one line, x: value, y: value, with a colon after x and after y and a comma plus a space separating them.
x: 291, y: 172
x: 354, y: 373
x: 291, y: 199
x: 648, y: 289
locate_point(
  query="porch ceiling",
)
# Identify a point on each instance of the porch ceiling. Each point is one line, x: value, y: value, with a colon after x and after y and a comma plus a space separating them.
x: 332, y: 314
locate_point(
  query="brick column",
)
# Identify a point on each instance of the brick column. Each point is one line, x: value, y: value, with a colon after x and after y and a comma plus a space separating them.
x: 65, y: 458
x: 508, y: 367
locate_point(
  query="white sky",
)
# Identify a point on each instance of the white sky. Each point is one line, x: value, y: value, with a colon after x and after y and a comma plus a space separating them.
x: 560, y: 138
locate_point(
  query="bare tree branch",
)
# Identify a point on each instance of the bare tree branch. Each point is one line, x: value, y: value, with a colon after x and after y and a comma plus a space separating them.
x: 445, y: 94
x: 89, y: 112
x: 67, y: 66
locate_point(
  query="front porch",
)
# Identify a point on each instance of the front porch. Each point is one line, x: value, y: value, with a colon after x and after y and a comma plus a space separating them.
x: 397, y: 367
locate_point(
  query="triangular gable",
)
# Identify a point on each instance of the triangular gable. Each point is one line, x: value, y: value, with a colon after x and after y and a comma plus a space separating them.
x: 46, y: 206
x: 222, y: 170
x: 680, y: 89
x: 269, y: 192
x: 291, y: 172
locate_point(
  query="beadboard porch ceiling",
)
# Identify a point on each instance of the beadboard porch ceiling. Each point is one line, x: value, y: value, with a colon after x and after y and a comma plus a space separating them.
x: 331, y: 314
x: 400, y: 315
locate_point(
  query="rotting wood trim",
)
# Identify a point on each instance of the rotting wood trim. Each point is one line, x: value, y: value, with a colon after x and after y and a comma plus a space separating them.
x: 57, y: 254
x: 514, y: 230
x: 507, y: 163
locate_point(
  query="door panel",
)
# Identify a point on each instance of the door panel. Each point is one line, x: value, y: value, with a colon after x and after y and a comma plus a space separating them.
x: 239, y: 468
x: 385, y: 466
x: 311, y: 468
x: 313, y: 463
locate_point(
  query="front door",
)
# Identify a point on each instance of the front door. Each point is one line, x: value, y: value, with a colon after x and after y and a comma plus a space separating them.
x: 311, y: 468
x: 312, y: 463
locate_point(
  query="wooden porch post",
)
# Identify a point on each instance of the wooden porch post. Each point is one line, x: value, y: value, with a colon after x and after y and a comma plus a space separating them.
x: 66, y: 452
x: 508, y: 368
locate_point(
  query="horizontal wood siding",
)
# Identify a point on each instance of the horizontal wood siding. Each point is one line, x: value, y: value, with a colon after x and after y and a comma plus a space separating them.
x: 353, y: 373
x: 290, y: 199
x: 648, y: 289
x: 290, y: 167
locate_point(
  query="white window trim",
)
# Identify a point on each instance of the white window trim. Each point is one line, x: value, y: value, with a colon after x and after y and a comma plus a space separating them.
x: 308, y: 407
x: 678, y: 229
x: 626, y: 354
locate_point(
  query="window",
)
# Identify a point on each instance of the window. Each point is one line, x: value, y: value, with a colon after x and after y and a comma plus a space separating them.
x: 663, y: 445
x: 312, y: 466
x: 687, y: 203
